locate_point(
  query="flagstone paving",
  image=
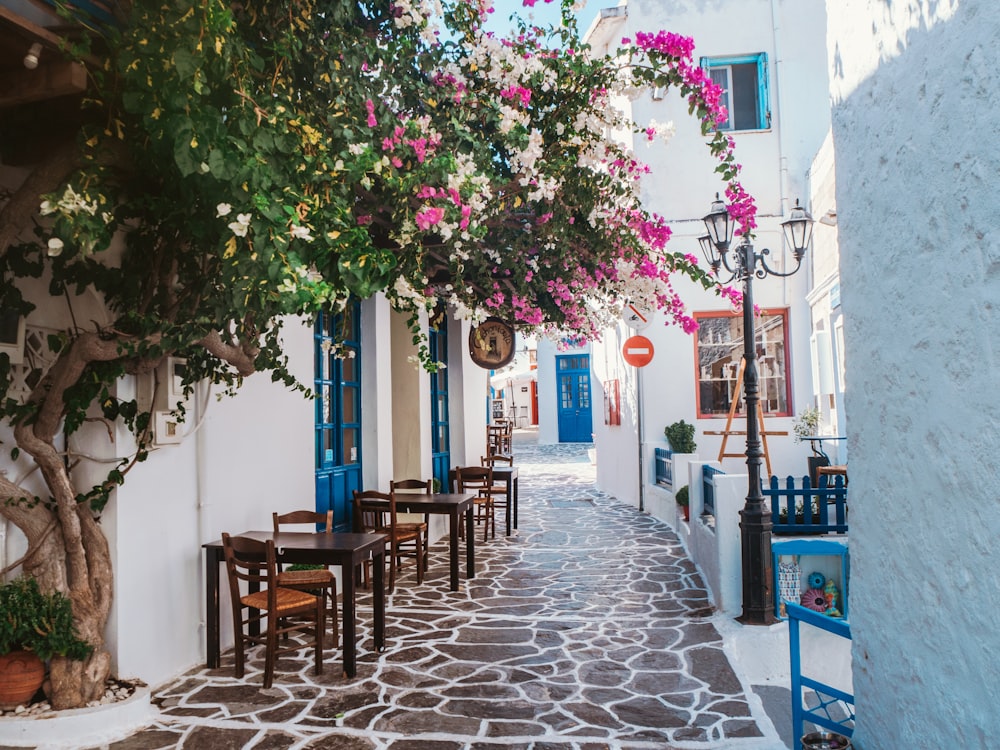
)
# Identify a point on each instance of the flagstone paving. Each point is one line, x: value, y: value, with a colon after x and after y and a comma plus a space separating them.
x: 588, y: 629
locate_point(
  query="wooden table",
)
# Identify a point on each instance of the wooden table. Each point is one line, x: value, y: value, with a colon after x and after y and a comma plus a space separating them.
x: 346, y: 550
x: 453, y: 505
x: 509, y: 476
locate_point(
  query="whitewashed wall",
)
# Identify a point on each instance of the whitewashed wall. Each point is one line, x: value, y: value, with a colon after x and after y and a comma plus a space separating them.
x: 915, y: 123
x: 681, y: 188
x: 251, y: 456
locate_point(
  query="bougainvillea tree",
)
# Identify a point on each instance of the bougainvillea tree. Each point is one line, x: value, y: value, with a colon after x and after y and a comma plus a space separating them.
x: 237, y: 163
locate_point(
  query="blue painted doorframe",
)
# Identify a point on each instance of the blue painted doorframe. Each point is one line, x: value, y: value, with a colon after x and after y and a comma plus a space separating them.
x: 440, y: 428
x: 573, y: 382
x: 338, y: 412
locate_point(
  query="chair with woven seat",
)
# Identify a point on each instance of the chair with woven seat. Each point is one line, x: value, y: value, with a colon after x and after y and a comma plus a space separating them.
x: 479, y: 479
x: 498, y: 438
x: 408, y: 521
x: 309, y: 578
x: 252, y: 569
x: 375, y: 512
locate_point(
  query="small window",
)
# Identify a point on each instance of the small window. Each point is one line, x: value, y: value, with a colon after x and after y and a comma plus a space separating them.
x: 745, y: 92
x: 719, y: 351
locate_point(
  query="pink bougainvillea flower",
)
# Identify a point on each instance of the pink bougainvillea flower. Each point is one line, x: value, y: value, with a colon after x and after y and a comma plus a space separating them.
x: 428, y: 217
x: 370, y: 106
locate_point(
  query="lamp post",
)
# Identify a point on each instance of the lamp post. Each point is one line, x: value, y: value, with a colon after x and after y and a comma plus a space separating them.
x: 744, y: 262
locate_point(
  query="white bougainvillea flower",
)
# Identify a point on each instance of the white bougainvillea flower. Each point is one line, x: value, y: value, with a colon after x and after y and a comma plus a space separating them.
x: 241, y: 225
x: 55, y: 247
x: 223, y: 209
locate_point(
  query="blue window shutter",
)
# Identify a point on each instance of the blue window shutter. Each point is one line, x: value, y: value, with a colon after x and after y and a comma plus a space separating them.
x: 762, y: 92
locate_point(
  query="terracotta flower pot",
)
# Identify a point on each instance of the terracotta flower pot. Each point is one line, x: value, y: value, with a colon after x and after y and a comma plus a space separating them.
x: 21, y: 674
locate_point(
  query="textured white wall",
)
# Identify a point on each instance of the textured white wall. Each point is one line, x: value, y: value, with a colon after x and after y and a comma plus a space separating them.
x: 681, y: 187
x: 915, y: 126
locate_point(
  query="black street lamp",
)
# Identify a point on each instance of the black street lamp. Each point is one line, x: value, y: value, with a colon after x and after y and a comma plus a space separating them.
x: 743, y: 262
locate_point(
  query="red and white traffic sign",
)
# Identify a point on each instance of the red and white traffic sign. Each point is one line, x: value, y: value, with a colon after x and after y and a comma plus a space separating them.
x: 637, y: 351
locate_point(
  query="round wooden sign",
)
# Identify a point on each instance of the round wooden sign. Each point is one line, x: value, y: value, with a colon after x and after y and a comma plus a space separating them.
x: 491, y: 344
x: 637, y: 351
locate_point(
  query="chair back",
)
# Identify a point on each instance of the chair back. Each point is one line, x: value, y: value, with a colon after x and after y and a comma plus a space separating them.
x: 300, y: 517
x: 412, y: 485
x: 477, y: 479
x: 374, y: 516
x: 496, y: 458
x: 250, y: 563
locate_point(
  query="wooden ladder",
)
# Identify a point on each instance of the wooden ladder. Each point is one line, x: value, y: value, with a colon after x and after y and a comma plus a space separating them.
x: 734, y: 406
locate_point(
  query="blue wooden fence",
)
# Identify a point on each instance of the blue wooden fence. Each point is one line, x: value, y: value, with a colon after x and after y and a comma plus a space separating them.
x: 664, y: 467
x: 708, y: 474
x: 808, y: 509
x: 816, y: 702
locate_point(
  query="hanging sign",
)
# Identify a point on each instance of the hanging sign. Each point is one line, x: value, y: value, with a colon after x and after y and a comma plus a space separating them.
x: 491, y: 344
x: 637, y: 351
x: 637, y: 317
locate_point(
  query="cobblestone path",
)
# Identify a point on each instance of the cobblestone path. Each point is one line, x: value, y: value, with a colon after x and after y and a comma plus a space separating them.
x: 588, y: 629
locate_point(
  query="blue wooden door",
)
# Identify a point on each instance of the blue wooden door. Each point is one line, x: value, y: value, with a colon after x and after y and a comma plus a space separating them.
x: 338, y: 412
x: 573, y: 373
x: 440, y: 437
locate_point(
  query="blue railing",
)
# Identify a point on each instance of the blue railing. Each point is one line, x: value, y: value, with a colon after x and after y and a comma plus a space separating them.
x: 664, y: 467
x: 708, y: 474
x: 807, y: 509
x: 816, y: 702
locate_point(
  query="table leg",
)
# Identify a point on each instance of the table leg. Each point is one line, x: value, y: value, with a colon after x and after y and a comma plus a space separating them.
x: 349, y: 630
x: 510, y: 501
x: 515, y: 502
x: 212, y: 560
x: 378, y: 594
x: 470, y: 543
x: 453, y: 521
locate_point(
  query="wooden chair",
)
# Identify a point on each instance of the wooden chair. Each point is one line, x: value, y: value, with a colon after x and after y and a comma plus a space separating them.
x: 377, y: 518
x: 252, y: 563
x: 498, y: 438
x: 309, y: 578
x: 405, y: 521
x: 479, y: 479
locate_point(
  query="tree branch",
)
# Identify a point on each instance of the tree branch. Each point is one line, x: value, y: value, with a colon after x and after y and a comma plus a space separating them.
x: 45, y: 178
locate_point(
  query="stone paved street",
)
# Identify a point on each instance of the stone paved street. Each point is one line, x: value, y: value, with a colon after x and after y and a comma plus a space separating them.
x: 588, y: 629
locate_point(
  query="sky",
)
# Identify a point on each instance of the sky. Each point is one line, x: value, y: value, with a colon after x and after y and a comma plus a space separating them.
x: 545, y: 14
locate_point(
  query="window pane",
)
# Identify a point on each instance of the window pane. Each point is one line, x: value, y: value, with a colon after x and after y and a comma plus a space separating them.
x: 350, y: 405
x: 349, y: 368
x: 350, y: 456
x: 583, y: 391
x: 720, y: 351
x: 744, y: 112
x: 566, y: 392
x: 720, y: 77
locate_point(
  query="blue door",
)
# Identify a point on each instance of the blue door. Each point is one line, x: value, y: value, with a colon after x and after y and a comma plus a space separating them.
x: 573, y: 373
x: 338, y: 412
x: 440, y: 439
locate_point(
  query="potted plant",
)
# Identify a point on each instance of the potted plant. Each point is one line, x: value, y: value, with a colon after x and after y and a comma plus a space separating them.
x: 680, y: 435
x: 34, y: 627
x: 681, y: 496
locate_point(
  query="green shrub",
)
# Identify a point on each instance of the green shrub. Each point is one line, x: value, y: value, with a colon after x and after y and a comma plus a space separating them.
x: 681, y: 496
x: 42, y: 623
x: 680, y: 435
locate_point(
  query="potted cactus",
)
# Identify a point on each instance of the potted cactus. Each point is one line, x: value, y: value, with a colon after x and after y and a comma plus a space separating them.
x: 34, y: 627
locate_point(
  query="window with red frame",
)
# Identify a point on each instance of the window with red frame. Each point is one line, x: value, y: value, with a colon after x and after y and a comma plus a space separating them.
x: 718, y: 351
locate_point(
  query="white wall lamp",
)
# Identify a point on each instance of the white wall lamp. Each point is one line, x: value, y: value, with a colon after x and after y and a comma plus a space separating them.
x: 31, y: 59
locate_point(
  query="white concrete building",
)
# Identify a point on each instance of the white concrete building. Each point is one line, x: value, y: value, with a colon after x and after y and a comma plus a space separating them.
x: 236, y: 461
x: 914, y: 129
x: 770, y: 54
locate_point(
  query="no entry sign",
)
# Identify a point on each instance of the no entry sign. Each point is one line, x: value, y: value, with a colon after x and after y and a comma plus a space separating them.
x: 637, y: 351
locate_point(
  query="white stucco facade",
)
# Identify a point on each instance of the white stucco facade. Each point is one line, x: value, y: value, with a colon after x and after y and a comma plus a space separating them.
x: 240, y: 460
x: 914, y: 123
x: 681, y: 186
